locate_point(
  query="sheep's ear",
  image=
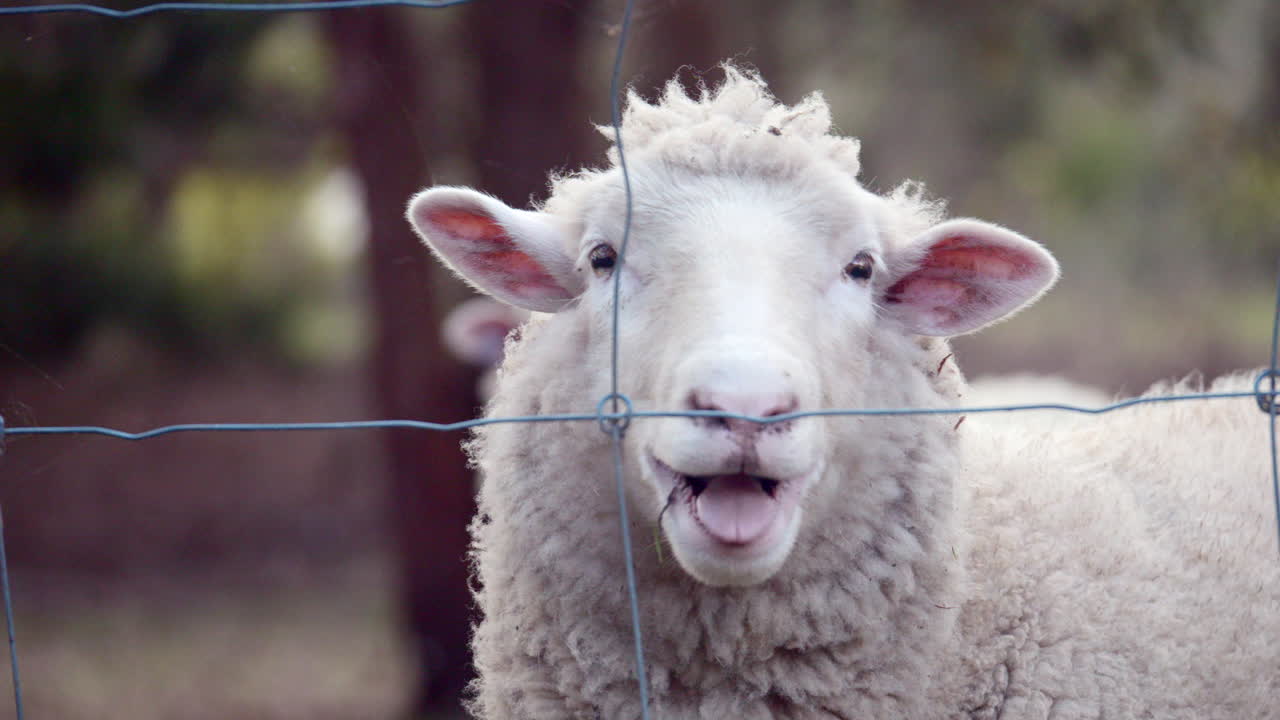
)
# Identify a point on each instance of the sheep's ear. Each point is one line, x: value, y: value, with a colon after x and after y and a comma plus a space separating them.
x: 969, y: 274
x: 517, y: 256
x: 476, y: 330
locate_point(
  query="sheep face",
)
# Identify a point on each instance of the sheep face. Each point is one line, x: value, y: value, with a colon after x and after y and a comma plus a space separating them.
x: 757, y: 296
x: 726, y: 279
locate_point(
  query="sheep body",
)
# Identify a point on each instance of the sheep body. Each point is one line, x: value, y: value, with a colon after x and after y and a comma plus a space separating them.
x: 1125, y: 566
x: 890, y: 566
x: 1033, y: 389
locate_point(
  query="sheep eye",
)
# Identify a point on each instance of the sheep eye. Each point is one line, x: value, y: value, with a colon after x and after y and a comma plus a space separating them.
x: 602, y: 259
x: 861, y: 266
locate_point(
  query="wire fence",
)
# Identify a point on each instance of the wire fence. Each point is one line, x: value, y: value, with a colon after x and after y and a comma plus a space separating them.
x: 621, y: 412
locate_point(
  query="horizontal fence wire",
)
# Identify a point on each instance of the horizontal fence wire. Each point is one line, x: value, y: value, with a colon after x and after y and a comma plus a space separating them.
x: 616, y: 420
x: 267, y: 7
x: 1261, y: 396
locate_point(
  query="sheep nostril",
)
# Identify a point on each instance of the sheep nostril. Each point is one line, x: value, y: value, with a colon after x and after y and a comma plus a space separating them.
x: 752, y: 404
x: 703, y: 400
x: 698, y: 401
x: 784, y: 405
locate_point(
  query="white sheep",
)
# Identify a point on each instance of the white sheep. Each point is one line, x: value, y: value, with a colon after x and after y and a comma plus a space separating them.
x: 833, y: 567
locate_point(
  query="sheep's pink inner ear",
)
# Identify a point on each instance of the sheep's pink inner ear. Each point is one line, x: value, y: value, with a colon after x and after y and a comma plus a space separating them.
x: 490, y: 252
x: 966, y: 281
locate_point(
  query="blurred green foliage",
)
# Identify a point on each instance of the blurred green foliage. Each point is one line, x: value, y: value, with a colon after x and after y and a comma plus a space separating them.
x: 58, y: 278
x: 150, y: 171
x: 79, y: 244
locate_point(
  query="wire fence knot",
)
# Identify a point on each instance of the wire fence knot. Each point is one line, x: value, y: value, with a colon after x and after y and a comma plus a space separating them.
x: 614, y: 420
x: 1266, y: 398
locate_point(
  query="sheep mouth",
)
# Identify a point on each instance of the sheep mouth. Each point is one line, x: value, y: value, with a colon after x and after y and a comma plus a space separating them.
x: 734, y: 509
x: 696, y: 485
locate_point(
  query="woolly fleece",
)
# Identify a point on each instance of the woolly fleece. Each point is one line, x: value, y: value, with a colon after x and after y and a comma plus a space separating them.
x: 1121, y: 568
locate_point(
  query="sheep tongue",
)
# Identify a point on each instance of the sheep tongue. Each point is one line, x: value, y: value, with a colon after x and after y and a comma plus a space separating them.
x: 734, y: 509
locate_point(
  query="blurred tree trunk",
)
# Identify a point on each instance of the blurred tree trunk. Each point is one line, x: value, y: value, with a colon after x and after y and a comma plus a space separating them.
x: 528, y: 92
x: 378, y: 79
x: 530, y: 68
x: 679, y: 36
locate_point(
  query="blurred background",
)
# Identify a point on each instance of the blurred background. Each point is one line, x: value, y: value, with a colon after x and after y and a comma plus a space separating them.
x: 201, y: 220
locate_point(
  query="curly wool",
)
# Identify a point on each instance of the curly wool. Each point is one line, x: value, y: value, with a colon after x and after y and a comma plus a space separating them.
x: 1122, y: 567
x: 737, y: 127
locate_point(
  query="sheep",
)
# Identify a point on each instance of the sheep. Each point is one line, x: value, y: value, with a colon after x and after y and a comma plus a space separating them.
x: 475, y: 331
x: 902, y: 566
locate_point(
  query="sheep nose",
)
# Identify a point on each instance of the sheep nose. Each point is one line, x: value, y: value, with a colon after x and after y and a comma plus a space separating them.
x: 762, y: 404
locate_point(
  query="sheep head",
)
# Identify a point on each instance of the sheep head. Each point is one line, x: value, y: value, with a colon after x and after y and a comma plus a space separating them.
x: 760, y: 279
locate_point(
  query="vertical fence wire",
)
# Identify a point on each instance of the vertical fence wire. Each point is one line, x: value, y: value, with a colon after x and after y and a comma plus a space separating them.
x: 8, y: 609
x: 618, y: 426
x: 8, y: 601
x: 1270, y: 406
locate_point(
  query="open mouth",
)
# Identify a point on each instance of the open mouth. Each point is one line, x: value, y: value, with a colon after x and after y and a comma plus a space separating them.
x: 698, y: 485
x: 734, y: 509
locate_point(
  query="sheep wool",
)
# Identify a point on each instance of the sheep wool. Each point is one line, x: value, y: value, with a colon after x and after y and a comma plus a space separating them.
x: 887, y: 566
